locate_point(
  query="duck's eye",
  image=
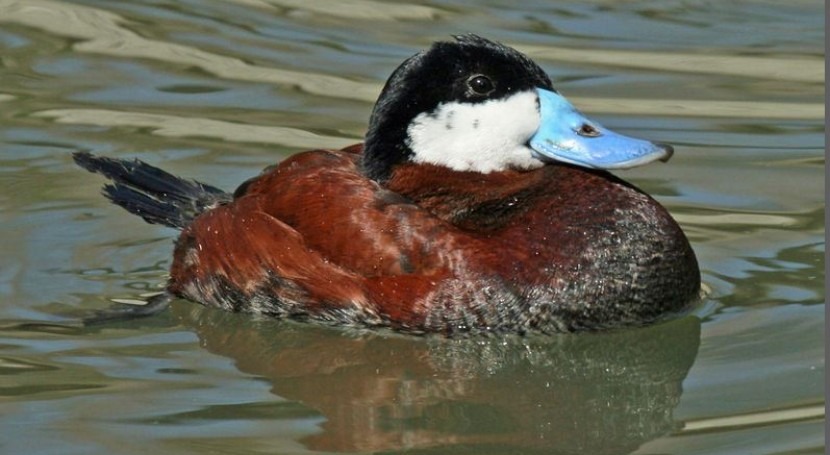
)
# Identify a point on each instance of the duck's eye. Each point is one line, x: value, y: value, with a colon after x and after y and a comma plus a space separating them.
x: 480, y: 85
x: 587, y: 130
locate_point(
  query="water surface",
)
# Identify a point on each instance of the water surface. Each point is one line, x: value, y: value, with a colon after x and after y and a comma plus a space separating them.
x: 217, y: 90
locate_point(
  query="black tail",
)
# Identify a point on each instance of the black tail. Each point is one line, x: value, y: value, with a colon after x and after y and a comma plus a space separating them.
x: 149, y: 192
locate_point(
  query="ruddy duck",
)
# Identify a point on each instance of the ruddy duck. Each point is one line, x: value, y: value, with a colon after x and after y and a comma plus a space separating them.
x: 480, y: 201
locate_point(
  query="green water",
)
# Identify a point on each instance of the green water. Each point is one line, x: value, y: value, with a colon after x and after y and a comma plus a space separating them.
x: 217, y: 90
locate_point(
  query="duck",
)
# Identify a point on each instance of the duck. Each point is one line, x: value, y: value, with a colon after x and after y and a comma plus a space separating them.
x: 480, y: 201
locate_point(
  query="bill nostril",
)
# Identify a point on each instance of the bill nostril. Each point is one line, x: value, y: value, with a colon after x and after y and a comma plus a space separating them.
x: 587, y: 131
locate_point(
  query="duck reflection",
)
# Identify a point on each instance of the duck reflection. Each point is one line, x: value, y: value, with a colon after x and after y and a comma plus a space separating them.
x: 583, y: 394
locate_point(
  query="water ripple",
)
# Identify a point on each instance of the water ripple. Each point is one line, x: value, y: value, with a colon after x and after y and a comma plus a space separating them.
x: 788, y: 69
x: 351, y: 9
x: 177, y: 126
x: 102, y: 32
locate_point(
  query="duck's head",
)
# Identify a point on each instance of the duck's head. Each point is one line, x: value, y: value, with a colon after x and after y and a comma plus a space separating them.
x: 476, y: 105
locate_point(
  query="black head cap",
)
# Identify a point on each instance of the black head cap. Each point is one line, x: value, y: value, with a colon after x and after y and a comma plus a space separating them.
x: 470, y: 69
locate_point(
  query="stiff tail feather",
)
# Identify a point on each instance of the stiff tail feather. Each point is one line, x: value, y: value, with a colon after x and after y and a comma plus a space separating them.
x: 151, y: 193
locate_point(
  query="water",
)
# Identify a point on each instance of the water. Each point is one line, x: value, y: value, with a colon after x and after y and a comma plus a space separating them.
x: 220, y: 89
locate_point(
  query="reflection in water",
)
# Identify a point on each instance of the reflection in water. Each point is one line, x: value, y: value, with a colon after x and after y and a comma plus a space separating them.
x: 580, y: 394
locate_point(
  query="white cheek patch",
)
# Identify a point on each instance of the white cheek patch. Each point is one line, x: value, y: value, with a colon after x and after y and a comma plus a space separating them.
x: 482, y: 137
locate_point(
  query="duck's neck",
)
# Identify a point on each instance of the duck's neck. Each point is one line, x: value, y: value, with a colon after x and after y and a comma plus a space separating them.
x: 469, y: 200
